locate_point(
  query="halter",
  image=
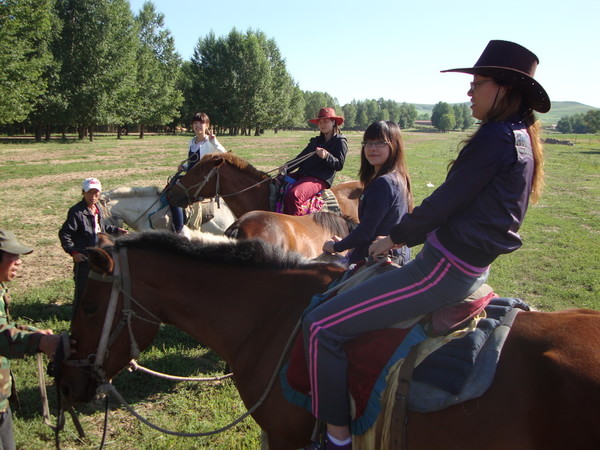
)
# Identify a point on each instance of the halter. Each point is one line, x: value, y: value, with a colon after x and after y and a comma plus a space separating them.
x: 121, y: 284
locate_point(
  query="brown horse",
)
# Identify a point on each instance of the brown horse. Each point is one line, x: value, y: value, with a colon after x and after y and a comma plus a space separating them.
x: 545, y: 393
x: 301, y: 234
x: 243, y: 187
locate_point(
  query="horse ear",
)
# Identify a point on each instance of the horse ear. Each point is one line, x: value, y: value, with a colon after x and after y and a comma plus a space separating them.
x: 100, y: 261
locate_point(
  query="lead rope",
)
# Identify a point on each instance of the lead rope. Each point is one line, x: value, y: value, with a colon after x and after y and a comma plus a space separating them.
x: 134, y: 366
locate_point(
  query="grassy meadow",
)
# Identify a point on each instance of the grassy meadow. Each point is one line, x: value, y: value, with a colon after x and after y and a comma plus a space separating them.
x: 557, y: 268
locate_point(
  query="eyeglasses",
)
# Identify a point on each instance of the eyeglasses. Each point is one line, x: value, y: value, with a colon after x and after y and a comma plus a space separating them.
x: 377, y: 144
x: 477, y: 83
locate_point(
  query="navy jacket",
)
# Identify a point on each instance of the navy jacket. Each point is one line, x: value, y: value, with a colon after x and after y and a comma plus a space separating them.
x: 324, y: 169
x: 477, y: 212
x: 77, y: 233
x: 382, y: 205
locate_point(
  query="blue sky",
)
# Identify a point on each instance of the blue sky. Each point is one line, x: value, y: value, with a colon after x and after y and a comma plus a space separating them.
x: 395, y: 49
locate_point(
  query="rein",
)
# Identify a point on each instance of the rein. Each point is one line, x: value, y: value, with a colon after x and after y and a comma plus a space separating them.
x: 195, y: 195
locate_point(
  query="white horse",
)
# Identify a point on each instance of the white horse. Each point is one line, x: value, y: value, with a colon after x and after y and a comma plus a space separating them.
x: 141, y: 208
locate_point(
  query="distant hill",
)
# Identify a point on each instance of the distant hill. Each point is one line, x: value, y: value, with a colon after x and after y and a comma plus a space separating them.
x: 558, y: 110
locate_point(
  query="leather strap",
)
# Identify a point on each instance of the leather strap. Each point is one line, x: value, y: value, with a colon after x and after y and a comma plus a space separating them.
x: 399, y: 413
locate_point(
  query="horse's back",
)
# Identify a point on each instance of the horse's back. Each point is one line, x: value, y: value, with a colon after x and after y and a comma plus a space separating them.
x: 300, y: 234
x: 545, y: 394
x: 135, y: 191
x: 348, y: 195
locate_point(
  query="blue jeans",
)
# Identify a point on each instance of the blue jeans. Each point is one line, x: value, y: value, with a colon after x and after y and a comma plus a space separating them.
x: 428, y: 282
x: 177, y: 216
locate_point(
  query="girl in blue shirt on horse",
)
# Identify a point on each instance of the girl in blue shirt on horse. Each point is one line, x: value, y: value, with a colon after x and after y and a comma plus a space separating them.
x: 465, y: 224
x: 386, y: 197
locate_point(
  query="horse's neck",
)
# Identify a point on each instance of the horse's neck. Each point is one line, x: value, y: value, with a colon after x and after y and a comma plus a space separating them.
x: 233, y: 184
x: 224, y: 310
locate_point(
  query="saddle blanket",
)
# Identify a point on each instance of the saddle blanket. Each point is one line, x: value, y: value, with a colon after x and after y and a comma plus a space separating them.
x: 449, y: 372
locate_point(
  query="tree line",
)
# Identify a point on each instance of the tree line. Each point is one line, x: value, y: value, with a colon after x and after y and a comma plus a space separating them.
x: 581, y: 123
x: 78, y: 65
x: 446, y: 117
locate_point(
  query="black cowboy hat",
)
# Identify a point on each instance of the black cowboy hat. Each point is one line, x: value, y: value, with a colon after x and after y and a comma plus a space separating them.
x: 512, y: 64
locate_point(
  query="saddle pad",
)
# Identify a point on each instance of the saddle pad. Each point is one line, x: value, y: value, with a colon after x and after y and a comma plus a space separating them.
x: 331, y: 202
x: 373, y: 355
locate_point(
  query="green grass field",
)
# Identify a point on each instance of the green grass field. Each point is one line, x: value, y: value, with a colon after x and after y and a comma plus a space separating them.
x: 557, y: 268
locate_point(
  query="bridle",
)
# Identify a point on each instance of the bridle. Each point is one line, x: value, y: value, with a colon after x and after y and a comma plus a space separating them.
x: 121, y: 284
x: 192, y: 192
x: 191, y: 197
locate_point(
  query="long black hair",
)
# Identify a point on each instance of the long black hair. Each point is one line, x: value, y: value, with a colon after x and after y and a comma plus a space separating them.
x: 389, y: 132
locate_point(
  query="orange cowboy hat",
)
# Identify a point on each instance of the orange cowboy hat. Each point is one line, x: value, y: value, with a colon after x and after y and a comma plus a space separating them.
x: 328, y: 113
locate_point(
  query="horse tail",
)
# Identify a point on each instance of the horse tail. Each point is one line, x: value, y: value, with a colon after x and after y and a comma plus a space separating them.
x: 336, y: 224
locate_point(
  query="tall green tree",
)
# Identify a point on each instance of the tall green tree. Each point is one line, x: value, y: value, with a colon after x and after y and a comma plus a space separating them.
x: 25, y: 34
x: 440, y: 110
x: 241, y: 82
x: 408, y: 115
x: 98, y: 47
x: 350, y: 110
x: 284, y: 100
x: 158, y: 65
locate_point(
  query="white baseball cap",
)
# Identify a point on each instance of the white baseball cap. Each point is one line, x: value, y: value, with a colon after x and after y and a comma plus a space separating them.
x: 91, y: 183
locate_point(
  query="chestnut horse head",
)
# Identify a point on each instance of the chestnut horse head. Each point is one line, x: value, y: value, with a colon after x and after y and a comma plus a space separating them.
x: 226, y: 175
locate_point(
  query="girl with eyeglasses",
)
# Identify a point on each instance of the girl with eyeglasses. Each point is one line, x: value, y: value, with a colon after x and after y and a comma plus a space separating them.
x: 465, y: 224
x: 387, y: 194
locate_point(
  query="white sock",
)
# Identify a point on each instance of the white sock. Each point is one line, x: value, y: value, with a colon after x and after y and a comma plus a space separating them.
x: 338, y: 442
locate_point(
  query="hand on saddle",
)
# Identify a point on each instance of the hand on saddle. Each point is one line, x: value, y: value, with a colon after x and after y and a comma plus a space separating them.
x: 381, y: 246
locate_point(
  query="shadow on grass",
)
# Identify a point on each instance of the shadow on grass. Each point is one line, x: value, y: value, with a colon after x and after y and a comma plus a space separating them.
x: 40, y: 312
x: 136, y: 386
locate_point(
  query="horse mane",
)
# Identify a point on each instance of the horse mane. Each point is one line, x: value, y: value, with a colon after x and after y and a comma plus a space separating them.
x: 240, y: 163
x: 339, y: 225
x: 243, y: 253
x: 207, y: 238
x: 135, y: 191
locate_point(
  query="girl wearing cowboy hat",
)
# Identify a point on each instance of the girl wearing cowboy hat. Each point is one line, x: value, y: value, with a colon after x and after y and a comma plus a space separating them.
x: 465, y: 224
x: 317, y: 172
